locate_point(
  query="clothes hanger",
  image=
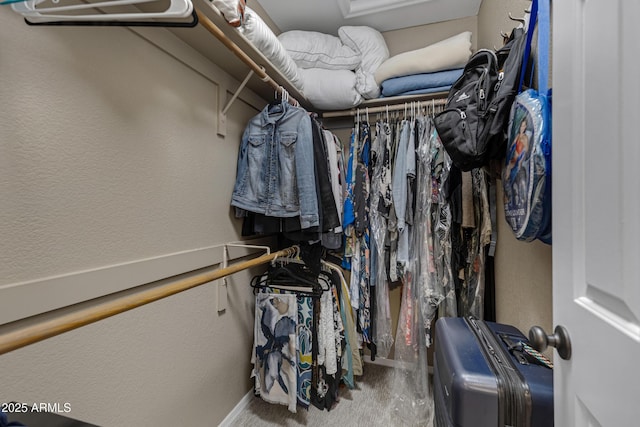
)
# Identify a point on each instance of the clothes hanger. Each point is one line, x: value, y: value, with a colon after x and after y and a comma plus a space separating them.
x: 57, y: 15
x: 34, y: 5
x: 521, y: 20
x: 263, y: 282
x: 293, y: 268
x: 294, y: 274
x: 283, y: 279
x: 5, y: 2
x: 175, y: 9
x: 164, y: 24
x: 277, y: 105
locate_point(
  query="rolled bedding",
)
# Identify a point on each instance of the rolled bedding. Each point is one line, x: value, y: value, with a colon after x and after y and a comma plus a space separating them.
x: 259, y: 33
x: 330, y: 89
x: 359, y: 49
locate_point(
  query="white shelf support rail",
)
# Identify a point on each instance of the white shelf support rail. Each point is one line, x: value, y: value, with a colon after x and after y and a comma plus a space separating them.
x: 237, y: 92
x: 222, y: 283
x: 38, y: 328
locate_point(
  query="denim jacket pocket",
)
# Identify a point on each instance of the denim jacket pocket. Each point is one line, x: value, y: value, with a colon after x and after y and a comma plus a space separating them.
x: 256, y: 158
x: 286, y: 155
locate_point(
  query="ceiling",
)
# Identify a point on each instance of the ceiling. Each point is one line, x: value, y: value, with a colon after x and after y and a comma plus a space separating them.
x: 327, y: 16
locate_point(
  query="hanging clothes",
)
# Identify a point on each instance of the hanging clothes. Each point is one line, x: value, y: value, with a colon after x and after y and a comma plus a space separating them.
x: 352, y: 361
x: 305, y: 331
x: 396, y: 213
x: 275, y: 157
x: 334, y: 155
x: 289, y: 178
x: 380, y: 203
x: 356, y: 223
x: 326, y: 202
x: 399, y: 191
x: 326, y: 345
x: 477, y: 240
x: 276, y: 348
x: 348, y: 210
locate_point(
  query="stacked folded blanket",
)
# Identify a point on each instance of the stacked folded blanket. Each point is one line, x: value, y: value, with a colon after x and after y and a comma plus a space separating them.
x: 423, y: 83
x: 428, y: 70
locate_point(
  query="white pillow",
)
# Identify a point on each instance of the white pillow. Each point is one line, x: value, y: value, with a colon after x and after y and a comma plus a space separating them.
x: 261, y: 36
x: 368, y: 42
x: 232, y: 10
x: 371, y: 45
x: 310, y: 49
x: 330, y: 89
x: 447, y: 54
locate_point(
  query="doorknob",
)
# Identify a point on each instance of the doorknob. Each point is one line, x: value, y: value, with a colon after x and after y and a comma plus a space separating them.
x: 560, y: 340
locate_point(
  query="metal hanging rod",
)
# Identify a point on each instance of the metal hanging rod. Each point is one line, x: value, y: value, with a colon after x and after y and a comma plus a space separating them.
x: 384, y: 108
x: 242, y: 55
x: 39, y: 331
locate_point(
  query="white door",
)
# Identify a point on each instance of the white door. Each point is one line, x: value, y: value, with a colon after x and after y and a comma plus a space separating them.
x: 596, y: 210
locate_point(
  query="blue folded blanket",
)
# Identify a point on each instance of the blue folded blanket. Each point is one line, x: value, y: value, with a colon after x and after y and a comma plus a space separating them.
x: 418, y: 82
x: 424, y: 91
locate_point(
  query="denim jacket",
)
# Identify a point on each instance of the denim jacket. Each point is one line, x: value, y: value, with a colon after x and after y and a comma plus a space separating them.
x: 275, y: 174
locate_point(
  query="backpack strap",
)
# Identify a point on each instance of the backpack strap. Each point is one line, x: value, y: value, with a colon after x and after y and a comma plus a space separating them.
x: 544, y: 17
x: 527, y: 47
x: 540, y: 14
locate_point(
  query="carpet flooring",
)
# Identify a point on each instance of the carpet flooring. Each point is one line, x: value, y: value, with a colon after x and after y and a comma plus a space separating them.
x: 368, y: 405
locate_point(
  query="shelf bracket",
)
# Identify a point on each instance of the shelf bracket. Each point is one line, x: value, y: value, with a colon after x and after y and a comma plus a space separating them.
x: 237, y: 92
x: 222, y: 95
x: 222, y: 283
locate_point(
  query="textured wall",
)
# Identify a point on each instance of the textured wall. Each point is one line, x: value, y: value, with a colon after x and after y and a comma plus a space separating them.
x: 412, y: 38
x: 109, y: 155
x: 493, y: 17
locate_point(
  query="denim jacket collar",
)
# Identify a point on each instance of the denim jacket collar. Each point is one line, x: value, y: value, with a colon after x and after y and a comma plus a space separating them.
x: 272, y: 118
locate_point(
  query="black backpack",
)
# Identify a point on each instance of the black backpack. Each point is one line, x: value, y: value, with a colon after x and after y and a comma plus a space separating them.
x: 473, y: 127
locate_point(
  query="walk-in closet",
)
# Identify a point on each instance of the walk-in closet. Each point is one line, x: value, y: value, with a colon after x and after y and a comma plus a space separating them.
x: 241, y: 213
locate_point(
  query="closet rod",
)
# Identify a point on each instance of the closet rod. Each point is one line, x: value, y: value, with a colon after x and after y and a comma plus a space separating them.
x: 242, y: 55
x: 40, y: 331
x: 383, y: 108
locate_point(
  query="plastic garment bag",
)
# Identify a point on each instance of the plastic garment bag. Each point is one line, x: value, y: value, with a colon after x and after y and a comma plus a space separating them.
x: 432, y: 232
x: 472, y: 293
x: 383, y: 337
x: 428, y: 281
x: 411, y: 404
x: 440, y: 220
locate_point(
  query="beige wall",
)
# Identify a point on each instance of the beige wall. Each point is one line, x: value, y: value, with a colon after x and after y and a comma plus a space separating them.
x: 523, y: 279
x: 407, y: 39
x: 109, y: 156
x: 493, y: 17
